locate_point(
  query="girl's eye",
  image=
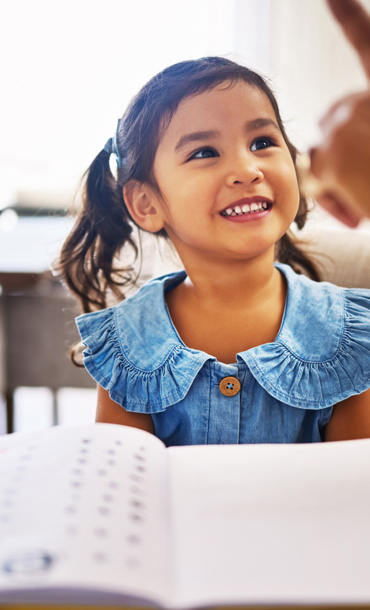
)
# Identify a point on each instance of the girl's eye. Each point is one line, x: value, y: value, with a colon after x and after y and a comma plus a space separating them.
x: 204, y: 153
x: 262, y: 143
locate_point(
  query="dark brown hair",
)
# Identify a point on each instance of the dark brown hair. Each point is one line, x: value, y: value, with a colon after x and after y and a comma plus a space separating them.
x: 104, y: 225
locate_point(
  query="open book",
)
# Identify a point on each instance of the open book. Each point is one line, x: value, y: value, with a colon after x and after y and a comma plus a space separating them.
x: 105, y: 514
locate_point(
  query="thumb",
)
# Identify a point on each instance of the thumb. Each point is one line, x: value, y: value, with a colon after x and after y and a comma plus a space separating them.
x: 355, y: 22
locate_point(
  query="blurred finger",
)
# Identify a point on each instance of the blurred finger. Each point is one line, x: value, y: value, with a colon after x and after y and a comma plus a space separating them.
x: 342, y: 213
x: 355, y: 22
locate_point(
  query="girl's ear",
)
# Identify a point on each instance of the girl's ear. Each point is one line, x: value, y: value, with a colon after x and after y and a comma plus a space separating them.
x: 143, y: 206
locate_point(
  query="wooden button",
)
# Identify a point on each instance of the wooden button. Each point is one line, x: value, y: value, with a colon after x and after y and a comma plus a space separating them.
x: 229, y: 386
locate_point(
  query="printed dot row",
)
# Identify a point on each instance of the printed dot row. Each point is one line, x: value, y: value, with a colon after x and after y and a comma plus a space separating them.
x: 101, y: 532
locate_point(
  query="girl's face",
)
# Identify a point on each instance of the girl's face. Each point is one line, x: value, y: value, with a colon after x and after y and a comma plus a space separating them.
x: 226, y: 176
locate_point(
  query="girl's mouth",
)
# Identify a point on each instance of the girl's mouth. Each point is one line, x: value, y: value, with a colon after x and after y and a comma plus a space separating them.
x: 246, y: 209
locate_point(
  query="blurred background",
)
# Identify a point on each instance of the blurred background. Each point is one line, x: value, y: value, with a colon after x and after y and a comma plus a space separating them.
x: 68, y: 70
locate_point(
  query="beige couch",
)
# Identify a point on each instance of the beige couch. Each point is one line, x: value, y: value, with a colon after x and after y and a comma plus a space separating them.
x: 342, y: 256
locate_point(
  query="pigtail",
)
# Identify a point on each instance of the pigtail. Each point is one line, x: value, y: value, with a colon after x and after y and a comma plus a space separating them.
x: 291, y: 254
x: 102, y: 229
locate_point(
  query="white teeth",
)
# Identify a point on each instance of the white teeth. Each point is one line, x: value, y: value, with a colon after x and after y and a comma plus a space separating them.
x: 246, y: 209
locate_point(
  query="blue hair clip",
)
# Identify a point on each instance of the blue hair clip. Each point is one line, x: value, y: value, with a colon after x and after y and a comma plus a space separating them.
x: 111, y: 146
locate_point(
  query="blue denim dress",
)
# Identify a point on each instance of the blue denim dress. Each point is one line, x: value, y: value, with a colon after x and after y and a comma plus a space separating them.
x: 320, y: 356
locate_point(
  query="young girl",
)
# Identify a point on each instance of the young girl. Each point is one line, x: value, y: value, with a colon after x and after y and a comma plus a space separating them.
x: 236, y: 348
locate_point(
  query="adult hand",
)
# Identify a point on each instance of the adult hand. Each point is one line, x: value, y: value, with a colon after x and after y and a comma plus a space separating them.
x: 342, y: 160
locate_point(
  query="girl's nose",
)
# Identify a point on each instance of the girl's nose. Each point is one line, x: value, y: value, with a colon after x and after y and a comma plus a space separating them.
x: 244, y: 171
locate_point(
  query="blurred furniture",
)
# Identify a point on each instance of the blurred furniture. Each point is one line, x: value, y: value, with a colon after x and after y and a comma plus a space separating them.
x: 37, y: 331
x: 37, y: 328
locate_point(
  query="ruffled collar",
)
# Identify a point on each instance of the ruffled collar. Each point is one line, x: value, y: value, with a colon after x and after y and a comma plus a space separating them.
x: 320, y: 356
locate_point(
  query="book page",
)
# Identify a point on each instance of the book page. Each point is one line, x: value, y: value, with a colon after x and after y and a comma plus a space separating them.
x: 83, y: 508
x: 271, y: 524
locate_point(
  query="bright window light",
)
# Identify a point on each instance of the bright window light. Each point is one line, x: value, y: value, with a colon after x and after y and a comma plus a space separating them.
x: 72, y: 66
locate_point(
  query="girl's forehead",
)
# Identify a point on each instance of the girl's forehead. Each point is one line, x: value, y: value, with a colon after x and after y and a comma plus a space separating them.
x: 225, y: 103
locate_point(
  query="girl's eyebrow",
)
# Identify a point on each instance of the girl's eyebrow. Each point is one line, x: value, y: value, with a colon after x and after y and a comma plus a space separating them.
x: 200, y: 136
x: 259, y: 123
x: 197, y: 136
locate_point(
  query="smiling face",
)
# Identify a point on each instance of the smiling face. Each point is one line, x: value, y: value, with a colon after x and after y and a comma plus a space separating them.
x: 226, y: 176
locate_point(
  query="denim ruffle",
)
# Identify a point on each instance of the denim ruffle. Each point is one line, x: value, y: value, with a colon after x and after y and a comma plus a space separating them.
x: 135, y: 389
x: 302, y: 382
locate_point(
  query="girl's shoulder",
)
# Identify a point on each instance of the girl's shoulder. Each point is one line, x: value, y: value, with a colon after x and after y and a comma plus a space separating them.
x: 321, y: 354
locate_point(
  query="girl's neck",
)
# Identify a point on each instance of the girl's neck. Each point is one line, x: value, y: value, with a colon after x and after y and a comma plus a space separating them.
x: 230, y: 311
x: 238, y: 285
